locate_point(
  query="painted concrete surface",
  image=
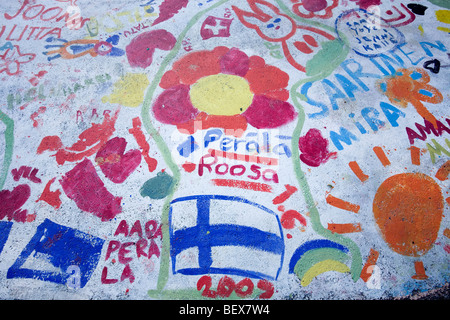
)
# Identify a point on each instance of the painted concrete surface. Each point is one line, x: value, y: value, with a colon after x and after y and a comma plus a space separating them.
x: 214, y: 149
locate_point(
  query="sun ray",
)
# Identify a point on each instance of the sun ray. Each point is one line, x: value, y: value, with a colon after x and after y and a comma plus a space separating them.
x: 381, y: 156
x: 371, y: 260
x: 342, y: 204
x: 344, y: 227
x: 415, y: 155
x: 357, y: 171
x: 420, y: 271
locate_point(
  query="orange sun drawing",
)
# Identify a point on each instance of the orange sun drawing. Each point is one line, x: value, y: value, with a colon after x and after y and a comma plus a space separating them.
x: 407, y: 208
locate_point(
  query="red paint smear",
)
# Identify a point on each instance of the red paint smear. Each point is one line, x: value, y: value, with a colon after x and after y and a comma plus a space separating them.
x: 364, y: 4
x: 189, y: 166
x: 138, y: 134
x: 447, y: 248
x: 288, y: 219
x: 51, y: 143
x: 371, y: 260
x: 267, y: 113
x: 168, y: 9
x: 114, y: 163
x: 89, y: 141
x: 174, y: 106
x: 36, y: 114
x: 141, y: 48
x: 314, y: 148
x: 268, y: 81
x: 12, y: 201
x: 235, y: 125
x: 51, y: 197
x: 82, y: 185
x: 35, y: 80
x: 255, y: 186
x: 27, y: 173
x: 285, y: 195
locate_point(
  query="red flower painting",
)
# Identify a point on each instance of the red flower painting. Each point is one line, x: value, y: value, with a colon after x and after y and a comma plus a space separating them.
x: 223, y: 88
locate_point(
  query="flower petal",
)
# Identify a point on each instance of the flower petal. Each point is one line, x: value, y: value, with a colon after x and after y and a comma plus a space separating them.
x: 169, y: 79
x: 267, y: 113
x: 234, y: 62
x: 199, y: 64
x: 266, y: 79
x: 174, y: 106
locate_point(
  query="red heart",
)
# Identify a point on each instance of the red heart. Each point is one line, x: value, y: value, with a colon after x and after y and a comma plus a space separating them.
x: 11, y: 201
x: 116, y: 165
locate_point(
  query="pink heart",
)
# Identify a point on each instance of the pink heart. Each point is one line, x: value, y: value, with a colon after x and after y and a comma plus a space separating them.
x: 11, y: 201
x: 114, y: 163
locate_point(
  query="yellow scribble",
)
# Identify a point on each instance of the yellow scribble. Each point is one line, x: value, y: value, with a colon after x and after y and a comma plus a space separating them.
x: 443, y: 16
x: 421, y: 30
x: 129, y: 90
x: 221, y: 94
x: 321, y: 267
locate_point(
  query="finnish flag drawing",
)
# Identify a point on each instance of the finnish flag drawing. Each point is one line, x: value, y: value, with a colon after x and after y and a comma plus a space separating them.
x: 225, y: 235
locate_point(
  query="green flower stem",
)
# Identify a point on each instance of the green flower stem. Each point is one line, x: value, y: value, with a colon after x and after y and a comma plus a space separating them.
x: 9, y: 146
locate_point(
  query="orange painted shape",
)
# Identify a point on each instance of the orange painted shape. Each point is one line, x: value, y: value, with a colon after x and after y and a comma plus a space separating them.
x: 344, y: 227
x: 444, y: 170
x: 371, y: 260
x: 357, y: 171
x: 342, y: 204
x: 447, y: 233
x: 404, y: 88
x: 415, y: 155
x: 420, y: 271
x: 65, y: 54
x: 381, y: 156
x: 408, y: 209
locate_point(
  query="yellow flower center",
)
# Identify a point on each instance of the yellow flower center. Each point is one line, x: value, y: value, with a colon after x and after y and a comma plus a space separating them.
x: 221, y: 94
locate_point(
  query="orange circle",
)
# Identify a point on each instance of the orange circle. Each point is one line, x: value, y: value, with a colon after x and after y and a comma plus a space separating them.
x: 408, y: 209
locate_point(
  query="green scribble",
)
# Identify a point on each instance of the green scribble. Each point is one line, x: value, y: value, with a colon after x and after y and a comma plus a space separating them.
x: 157, y: 187
x: 441, y: 3
x: 327, y: 59
x: 9, y: 146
